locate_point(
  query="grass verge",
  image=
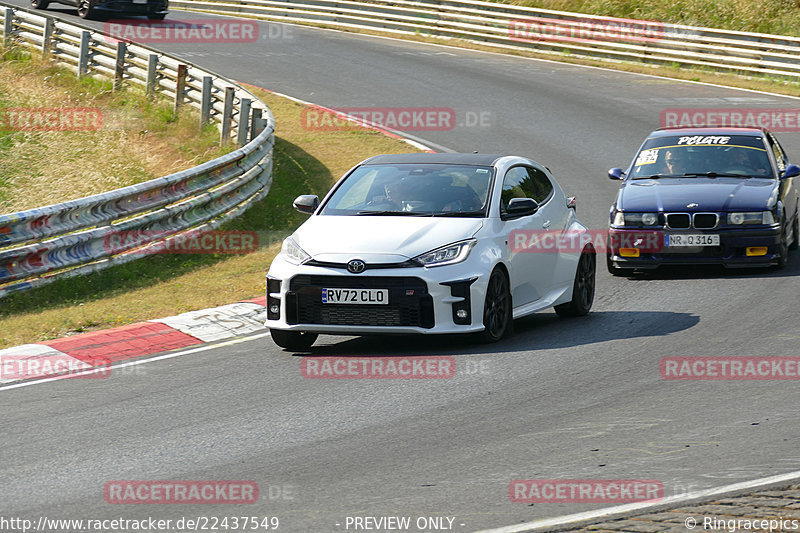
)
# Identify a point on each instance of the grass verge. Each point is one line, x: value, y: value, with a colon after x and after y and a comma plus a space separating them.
x: 138, y: 138
x: 163, y: 285
x: 779, y: 17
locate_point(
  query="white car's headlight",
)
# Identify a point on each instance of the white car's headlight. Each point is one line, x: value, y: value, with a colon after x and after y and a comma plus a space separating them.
x: 635, y: 219
x: 754, y: 217
x: 446, y: 255
x: 292, y: 252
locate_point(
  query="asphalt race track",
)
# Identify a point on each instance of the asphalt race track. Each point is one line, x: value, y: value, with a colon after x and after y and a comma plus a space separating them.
x: 563, y: 398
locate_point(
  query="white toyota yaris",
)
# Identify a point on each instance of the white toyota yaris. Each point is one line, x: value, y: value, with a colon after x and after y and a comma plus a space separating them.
x: 430, y: 243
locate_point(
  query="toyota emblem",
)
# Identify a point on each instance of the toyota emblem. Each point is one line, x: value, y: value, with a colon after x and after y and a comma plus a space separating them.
x: 356, y: 266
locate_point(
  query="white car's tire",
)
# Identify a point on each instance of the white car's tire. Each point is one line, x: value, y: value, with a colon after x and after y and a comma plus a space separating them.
x: 497, y: 316
x: 582, y: 287
x: 294, y: 341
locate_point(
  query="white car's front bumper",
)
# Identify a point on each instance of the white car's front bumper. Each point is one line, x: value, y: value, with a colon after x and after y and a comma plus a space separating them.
x: 421, y: 300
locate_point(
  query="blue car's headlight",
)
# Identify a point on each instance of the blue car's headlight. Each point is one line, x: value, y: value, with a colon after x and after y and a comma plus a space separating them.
x: 446, y: 255
x: 635, y: 219
x: 751, y: 217
x: 292, y: 253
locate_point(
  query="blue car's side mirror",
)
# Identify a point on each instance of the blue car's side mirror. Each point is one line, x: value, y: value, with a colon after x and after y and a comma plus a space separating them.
x: 791, y: 171
x: 616, y: 174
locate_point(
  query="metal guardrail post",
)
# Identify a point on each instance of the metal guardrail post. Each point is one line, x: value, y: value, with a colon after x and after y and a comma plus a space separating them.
x: 227, y: 116
x: 119, y: 65
x: 244, y: 121
x: 152, y: 74
x: 257, y: 124
x: 47, y: 37
x: 180, y: 87
x: 8, y: 26
x: 83, y: 54
x: 205, y: 101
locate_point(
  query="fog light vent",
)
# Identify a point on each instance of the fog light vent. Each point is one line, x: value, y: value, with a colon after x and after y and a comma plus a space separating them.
x: 629, y: 252
x: 756, y: 250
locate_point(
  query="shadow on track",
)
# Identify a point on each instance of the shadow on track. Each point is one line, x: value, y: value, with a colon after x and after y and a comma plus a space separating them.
x: 541, y: 331
x: 677, y: 272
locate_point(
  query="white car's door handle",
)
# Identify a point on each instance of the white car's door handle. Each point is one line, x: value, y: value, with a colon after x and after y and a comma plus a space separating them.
x: 546, y: 224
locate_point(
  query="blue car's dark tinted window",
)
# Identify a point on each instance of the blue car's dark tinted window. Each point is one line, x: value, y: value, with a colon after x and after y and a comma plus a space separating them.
x: 408, y: 189
x: 737, y: 155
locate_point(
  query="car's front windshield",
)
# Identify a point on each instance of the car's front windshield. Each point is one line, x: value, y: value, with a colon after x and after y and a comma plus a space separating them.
x: 703, y: 155
x: 431, y: 189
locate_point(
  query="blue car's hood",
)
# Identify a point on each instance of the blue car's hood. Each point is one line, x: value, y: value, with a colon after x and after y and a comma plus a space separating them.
x: 711, y: 194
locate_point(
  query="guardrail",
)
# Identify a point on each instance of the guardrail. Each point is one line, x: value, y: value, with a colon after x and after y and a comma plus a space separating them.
x: 68, y: 239
x: 524, y: 28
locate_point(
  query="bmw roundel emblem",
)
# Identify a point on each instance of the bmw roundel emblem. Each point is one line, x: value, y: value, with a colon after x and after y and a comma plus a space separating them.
x: 692, y: 205
x: 356, y: 266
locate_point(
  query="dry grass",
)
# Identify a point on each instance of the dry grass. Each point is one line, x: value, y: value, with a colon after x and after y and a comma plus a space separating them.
x: 139, y: 139
x: 781, y: 17
x: 305, y: 161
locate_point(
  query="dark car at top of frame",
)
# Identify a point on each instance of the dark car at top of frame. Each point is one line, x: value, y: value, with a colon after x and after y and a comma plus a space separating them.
x: 89, y: 9
x: 693, y: 196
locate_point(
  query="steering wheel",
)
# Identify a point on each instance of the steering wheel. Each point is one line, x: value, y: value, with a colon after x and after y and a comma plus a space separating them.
x: 382, y: 201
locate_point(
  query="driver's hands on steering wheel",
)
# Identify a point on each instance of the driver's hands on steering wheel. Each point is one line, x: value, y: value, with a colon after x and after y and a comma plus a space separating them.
x: 381, y: 200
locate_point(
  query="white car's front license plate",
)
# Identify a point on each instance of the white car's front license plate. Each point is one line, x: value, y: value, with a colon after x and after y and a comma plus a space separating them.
x: 691, y: 240
x: 355, y: 296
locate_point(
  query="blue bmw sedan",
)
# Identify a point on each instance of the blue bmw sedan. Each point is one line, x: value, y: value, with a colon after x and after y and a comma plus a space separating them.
x: 704, y: 196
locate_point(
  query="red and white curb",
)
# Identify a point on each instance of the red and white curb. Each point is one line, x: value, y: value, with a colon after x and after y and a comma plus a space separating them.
x: 99, y: 349
x: 79, y: 354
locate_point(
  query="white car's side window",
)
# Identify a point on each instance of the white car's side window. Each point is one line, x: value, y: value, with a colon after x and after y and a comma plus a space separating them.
x: 513, y: 183
x: 525, y: 182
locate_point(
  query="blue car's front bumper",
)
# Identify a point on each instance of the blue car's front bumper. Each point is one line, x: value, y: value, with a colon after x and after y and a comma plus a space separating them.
x: 731, y: 253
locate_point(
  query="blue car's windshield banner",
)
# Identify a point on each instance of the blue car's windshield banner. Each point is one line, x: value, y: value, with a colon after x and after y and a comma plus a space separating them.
x: 680, y: 155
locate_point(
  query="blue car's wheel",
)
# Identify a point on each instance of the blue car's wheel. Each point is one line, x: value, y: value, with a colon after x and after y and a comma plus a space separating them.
x: 783, y: 250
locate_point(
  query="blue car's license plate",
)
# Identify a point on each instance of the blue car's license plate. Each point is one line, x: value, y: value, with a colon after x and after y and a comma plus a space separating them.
x: 691, y: 240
